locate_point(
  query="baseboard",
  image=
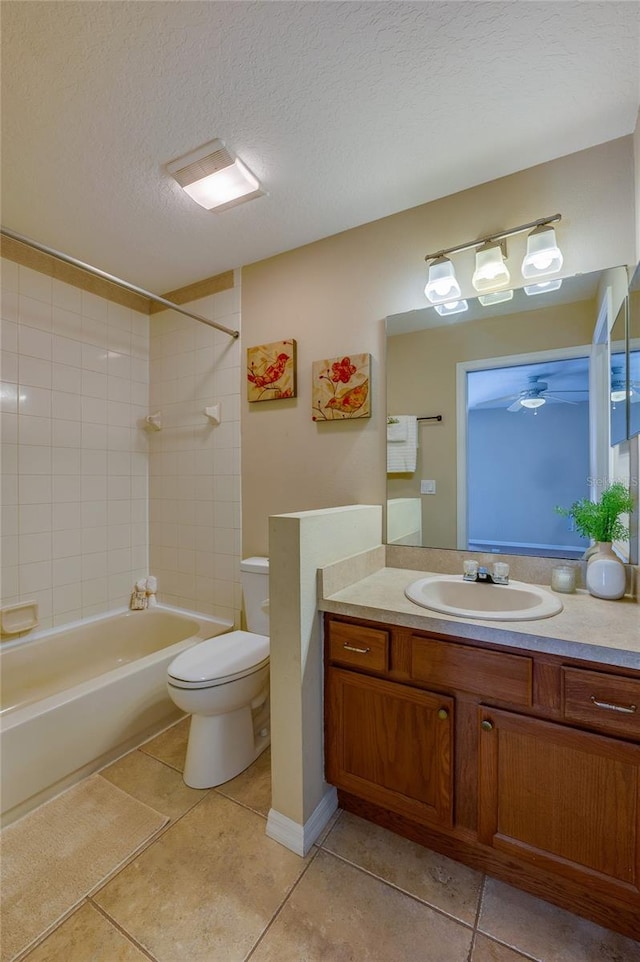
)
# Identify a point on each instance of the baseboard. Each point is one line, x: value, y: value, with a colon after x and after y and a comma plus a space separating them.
x: 299, y: 838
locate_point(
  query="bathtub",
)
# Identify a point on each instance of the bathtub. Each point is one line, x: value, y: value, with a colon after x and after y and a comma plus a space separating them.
x: 75, y: 698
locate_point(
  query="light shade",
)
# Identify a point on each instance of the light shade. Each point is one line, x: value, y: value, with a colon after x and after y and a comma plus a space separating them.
x: 491, y: 271
x: 618, y: 385
x: 543, y: 287
x: 442, y: 284
x: 214, y: 177
x: 532, y: 402
x: 543, y: 254
x: 452, y: 307
x: 497, y: 297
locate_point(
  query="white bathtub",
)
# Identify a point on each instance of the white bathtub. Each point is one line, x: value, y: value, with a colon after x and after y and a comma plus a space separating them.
x: 75, y: 698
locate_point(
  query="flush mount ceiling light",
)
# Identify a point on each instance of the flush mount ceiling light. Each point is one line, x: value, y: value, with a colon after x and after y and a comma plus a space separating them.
x: 491, y: 270
x: 442, y: 284
x: 619, y: 390
x: 543, y: 254
x: 491, y: 273
x: 214, y: 177
x: 497, y: 297
x: 452, y: 307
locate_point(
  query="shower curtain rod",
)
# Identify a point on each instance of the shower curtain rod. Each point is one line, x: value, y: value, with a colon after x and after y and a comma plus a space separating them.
x: 116, y: 280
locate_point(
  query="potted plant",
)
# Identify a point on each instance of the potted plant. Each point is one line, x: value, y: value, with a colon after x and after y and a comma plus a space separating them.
x: 600, y: 521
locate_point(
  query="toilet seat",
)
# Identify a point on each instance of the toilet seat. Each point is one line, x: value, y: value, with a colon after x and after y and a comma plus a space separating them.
x: 219, y: 660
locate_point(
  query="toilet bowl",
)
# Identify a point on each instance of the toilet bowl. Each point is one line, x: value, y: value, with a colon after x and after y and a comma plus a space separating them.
x: 223, y: 683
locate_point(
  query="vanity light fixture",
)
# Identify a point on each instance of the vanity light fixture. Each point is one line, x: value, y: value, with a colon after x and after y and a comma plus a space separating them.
x: 491, y: 270
x: 543, y: 254
x: 452, y: 307
x: 491, y: 273
x: 543, y: 287
x: 214, y: 177
x: 442, y: 284
x: 497, y: 297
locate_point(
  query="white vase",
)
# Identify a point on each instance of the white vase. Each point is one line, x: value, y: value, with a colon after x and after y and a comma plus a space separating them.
x: 606, y: 575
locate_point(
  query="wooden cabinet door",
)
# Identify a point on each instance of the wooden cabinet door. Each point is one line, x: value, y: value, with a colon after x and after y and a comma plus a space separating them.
x: 390, y: 744
x: 566, y: 800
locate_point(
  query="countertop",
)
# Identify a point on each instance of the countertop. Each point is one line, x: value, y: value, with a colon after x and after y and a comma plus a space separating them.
x: 588, y: 628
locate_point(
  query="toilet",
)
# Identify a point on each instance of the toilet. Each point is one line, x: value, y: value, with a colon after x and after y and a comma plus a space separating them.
x: 223, y: 683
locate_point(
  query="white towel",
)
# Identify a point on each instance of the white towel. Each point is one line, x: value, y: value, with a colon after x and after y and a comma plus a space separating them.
x: 402, y: 455
x: 397, y: 429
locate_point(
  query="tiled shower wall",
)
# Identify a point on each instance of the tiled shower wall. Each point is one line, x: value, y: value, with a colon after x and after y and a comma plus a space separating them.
x: 74, y: 457
x: 194, y: 468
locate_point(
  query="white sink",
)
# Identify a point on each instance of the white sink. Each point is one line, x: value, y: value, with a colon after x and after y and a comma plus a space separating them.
x: 451, y: 595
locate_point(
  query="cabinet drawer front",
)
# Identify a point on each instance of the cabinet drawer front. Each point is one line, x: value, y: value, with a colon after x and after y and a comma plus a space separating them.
x: 489, y: 673
x: 358, y: 647
x: 610, y: 703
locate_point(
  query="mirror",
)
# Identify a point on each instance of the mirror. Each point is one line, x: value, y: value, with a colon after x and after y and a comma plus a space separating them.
x: 633, y: 320
x: 618, y: 384
x: 519, y: 346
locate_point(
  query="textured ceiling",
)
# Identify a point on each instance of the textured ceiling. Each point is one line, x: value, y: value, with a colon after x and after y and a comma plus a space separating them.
x: 346, y: 112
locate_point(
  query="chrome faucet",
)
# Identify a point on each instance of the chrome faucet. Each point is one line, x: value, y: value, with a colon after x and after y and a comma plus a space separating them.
x: 498, y: 576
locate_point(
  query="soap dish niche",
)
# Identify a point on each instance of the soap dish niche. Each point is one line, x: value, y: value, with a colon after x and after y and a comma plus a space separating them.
x: 17, y: 618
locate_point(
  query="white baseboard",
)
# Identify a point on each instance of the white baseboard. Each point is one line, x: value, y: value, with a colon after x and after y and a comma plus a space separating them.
x: 299, y: 838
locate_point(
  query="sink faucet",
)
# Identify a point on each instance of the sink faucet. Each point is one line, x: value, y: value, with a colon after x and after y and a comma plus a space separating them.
x: 498, y: 576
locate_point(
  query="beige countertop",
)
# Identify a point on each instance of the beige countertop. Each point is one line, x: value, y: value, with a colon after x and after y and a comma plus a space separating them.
x: 589, y: 628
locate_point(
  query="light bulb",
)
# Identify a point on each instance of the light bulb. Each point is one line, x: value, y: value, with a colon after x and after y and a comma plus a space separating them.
x: 442, y: 283
x: 543, y: 254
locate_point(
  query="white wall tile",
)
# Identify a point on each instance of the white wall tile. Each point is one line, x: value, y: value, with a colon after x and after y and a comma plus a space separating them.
x: 9, y: 366
x: 34, y: 284
x: 34, y: 313
x: 35, y: 343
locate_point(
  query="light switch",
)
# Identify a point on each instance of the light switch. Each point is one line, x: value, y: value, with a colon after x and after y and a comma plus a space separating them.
x: 427, y: 487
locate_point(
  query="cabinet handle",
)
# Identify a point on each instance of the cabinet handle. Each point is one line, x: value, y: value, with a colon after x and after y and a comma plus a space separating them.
x: 486, y: 726
x: 443, y: 714
x: 361, y: 651
x: 609, y: 706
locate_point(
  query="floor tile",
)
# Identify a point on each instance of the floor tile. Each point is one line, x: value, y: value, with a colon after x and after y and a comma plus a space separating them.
x: 253, y: 786
x: 338, y: 913
x: 207, y: 888
x: 434, y: 878
x: 486, y: 950
x: 547, y: 932
x: 86, y: 936
x: 153, y: 783
x: 170, y: 746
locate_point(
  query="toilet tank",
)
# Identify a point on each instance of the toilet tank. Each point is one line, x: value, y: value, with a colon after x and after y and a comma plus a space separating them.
x: 255, y: 590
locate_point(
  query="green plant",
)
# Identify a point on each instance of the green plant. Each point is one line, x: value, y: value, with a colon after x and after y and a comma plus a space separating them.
x: 600, y: 520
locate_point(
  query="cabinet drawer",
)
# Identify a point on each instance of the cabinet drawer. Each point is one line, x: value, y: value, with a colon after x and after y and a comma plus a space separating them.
x: 599, y: 700
x: 359, y: 647
x: 492, y: 674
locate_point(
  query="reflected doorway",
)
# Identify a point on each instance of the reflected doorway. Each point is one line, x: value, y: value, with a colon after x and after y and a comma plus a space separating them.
x: 527, y: 450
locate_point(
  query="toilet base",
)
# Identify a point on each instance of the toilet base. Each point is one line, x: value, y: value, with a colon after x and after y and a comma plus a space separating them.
x: 222, y: 746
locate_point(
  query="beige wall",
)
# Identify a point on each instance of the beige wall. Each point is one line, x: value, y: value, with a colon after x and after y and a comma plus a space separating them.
x: 333, y: 296
x: 421, y: 378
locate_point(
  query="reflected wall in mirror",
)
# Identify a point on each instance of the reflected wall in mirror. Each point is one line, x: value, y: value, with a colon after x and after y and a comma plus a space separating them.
x: 634, y: 354
x: 618, y: 386
x: 525, y: 458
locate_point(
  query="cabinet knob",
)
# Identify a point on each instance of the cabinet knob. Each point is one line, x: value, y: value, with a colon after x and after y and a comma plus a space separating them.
x: 486, y: 726
x: 443, y: 714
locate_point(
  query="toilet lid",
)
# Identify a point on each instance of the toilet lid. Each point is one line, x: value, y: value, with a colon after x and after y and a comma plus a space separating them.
x: 220, y: 658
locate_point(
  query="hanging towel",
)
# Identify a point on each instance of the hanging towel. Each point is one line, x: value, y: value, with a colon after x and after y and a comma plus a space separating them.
x: 396, y: 428
x: 402, y: 455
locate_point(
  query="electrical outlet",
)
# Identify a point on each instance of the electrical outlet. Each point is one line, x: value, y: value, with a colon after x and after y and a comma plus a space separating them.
x: 427, y: 487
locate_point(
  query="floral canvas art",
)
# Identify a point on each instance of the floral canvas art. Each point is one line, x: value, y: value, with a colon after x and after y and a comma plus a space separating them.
x: 341, y: 388
x: 271, y: 371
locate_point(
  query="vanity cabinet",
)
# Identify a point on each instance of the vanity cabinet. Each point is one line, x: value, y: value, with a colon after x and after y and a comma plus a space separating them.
x: 521, y: 764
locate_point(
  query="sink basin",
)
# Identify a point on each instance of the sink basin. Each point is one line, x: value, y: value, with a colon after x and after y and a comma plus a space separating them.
x: 451, y: 595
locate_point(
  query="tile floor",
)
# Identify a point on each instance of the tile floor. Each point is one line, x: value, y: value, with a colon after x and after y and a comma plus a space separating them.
x: 213, y: 888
